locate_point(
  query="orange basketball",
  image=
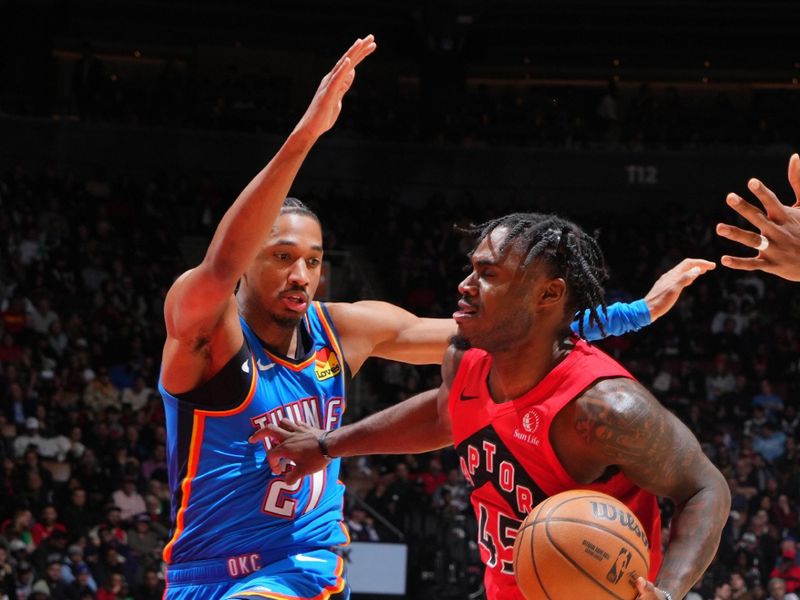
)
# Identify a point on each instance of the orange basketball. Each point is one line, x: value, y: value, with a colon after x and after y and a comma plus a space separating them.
x: 580, y: 544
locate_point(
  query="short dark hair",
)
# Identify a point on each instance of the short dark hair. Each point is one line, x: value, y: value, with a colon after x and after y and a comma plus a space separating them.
x: 567, y: 250
x: 293, y: 206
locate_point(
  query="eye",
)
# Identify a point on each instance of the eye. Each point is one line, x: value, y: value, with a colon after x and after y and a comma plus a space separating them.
x: 314, y: 262
x: 467, y: 268
x: 282, y: 256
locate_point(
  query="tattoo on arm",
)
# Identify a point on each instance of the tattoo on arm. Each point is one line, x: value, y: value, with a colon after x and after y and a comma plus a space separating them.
x: 621, y: 421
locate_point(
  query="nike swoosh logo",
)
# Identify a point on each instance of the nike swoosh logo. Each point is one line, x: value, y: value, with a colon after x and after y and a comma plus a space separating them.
x: 246, y: 366
x: 304, y: 558
x: 464, y: 396
x: 262, y: 367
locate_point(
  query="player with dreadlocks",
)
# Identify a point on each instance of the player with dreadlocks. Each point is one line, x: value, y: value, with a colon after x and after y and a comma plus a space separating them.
x: 533, y: 410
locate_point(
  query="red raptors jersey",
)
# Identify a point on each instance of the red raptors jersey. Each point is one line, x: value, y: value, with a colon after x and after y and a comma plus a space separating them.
x: 507, y: 458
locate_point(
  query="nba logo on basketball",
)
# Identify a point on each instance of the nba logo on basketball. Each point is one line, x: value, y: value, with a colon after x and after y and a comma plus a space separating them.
x: 618, y: 568
x: 326, y: 364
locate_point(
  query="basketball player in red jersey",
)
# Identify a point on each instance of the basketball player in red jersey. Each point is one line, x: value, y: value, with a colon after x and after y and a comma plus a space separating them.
x: 533, y: 410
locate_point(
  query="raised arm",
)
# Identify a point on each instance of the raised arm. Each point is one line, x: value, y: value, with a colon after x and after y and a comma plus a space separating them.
x: 419, y: 424
x: 622, y: 424
x: 778, y: 237
x: 380, y: 329
x: 626, y: 317
x: 200, y: 309
x: 384, y: 330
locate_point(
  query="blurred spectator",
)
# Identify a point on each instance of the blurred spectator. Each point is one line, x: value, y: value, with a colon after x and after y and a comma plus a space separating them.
x: 142, y: 539
x: 361, y: 526
x: 47, y: 524
x: 151, y: 588
x: 51, y: 582
x: 777, y: 590
x: 83, y: 585
x: 73, y: 567
x: 788, y: 571
x: 129, y: 501
x: 136, y: 396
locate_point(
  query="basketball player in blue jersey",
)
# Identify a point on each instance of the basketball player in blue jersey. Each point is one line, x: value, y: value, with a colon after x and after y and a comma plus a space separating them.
x: 237, y: 360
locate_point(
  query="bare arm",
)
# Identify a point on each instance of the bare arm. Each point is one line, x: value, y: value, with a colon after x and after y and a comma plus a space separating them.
x: 419, y: 424
x: 624, y: 425
x: 199, y: 310
x: 381, y: 329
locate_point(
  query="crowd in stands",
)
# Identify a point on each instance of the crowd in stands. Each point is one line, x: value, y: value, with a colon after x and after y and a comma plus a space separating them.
x: 84, y: 267
x: 441, y: 106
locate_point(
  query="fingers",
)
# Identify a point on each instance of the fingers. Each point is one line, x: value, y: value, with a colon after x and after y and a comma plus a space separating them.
x: 293, y: 476
x: 752, y: 214
x: 277, y: 460
x: 751, y: 239
x: 344, y: 69
x: 643, y: 586
x: 366, y: 48
x: 743, y: 264
x: 701, y: 265
x: 278, y: 433
x: 768, y: 199
x: 794, y: 177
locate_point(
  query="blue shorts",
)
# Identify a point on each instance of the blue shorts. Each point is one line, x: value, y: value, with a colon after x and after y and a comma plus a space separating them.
x: 310, y: 575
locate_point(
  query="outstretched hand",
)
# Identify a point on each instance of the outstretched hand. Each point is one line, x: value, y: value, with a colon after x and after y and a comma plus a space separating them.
x: 327, y: 102
x: 667, y: 288
x: 293, y: 443
x: 778, y: 239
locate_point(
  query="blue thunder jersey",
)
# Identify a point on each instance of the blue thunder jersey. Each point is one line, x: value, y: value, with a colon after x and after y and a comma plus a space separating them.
x: 226, y: 501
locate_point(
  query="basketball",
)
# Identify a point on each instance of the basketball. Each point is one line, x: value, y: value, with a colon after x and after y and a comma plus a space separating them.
x: 580, y: 544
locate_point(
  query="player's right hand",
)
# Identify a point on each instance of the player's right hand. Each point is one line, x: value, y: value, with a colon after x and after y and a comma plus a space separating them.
x: 327, y: 102
x: 296, y: 442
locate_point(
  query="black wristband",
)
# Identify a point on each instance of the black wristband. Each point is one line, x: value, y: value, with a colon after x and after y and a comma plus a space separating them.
x: 323, y: 445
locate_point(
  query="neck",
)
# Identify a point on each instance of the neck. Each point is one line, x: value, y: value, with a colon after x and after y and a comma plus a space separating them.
x: 509, y: 379
x: 278, y: 339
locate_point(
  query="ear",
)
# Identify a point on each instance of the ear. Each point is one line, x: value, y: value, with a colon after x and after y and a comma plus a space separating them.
x: 553, y: 293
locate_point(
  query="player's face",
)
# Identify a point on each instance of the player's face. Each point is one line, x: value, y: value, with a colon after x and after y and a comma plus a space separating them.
x: 492, y: 303
x: 499, y: 299
x: 286, y: 272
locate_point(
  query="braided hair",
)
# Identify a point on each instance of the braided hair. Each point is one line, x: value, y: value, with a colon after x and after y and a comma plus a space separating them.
x: 568, y: 251
x: 293, y: 206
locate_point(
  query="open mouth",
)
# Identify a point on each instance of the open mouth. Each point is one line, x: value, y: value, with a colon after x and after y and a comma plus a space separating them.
x: 295, y: 301
x: 465, y: 311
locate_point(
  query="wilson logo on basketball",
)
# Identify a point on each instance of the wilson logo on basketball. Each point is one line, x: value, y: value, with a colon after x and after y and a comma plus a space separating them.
x: 601, y: 510
x: 326, y: 365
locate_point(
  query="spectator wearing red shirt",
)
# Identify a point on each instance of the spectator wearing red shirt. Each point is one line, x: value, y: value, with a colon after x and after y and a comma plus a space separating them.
x: 433, y: 477
x: 47, y: 524
x: 788, y: 571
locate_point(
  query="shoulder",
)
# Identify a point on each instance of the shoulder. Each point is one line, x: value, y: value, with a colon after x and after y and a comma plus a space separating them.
x: 614, y: 397
x: 618, y: 418
x: 451, y: 363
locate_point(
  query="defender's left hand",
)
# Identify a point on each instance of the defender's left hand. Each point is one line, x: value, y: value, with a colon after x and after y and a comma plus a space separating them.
x: 296, y: 442
x: 667, y: 288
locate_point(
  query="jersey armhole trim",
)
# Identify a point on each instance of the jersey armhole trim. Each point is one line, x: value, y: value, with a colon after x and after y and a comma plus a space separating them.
x: 333, y: 335
x: 236, y: 378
